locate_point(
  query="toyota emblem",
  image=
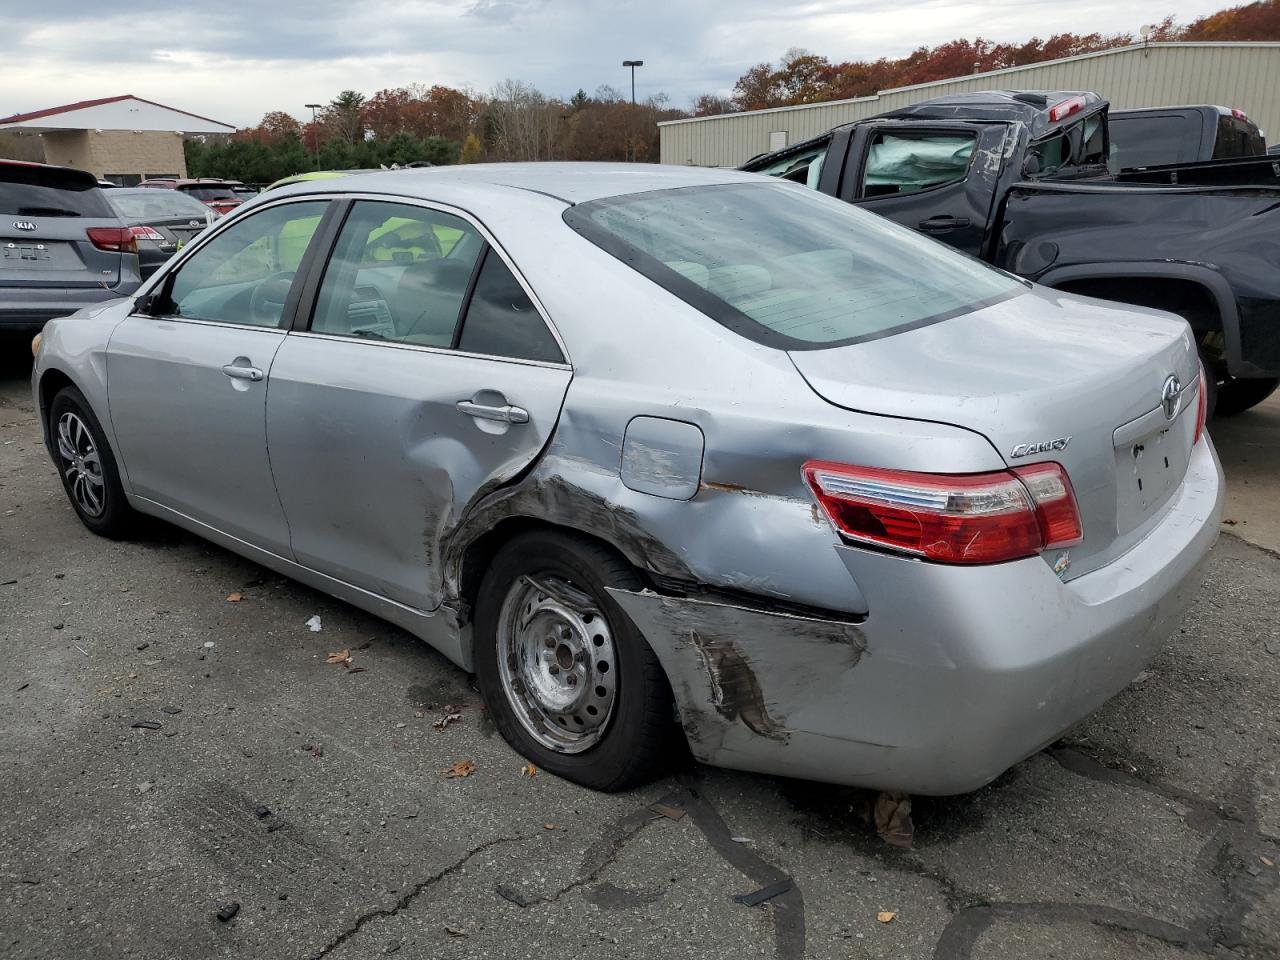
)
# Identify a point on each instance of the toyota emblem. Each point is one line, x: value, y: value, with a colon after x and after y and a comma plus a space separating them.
x: 1171, y: 397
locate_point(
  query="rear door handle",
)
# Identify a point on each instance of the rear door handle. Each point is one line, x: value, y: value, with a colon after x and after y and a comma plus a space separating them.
x: 938, y: 224
x: 236, y: 372
x: 504, y: 413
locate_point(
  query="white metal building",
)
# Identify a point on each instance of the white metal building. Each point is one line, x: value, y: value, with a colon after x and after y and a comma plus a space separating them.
x: 1241, y: 75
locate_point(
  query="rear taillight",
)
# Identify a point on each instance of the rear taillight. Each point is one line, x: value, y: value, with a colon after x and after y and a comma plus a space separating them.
x: 1239, y: 114
x: 1202, y: 400
x: 962, y: 518
x: 146, y: 233
x: 115, y: 239
x: 1066, y: 108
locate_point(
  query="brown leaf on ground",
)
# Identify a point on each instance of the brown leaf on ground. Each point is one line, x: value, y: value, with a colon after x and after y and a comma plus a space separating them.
x: 886, y: 916
x: 893, y: 818
x: 234, y: 598
x: 529, y: 770
x: 455, y: 931
x: 342, y: 656
x: 1229, y: 522
x: 1267, y: 861
x: 463, y: 768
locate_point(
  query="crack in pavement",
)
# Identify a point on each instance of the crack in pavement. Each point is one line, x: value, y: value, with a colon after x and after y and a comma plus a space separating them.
x: 408, y: 898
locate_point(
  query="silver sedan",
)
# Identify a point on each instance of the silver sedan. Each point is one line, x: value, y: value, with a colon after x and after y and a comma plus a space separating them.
x: 666, y: 455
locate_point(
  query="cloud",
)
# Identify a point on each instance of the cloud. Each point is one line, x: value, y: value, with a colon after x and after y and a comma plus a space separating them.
x: 240, y: 58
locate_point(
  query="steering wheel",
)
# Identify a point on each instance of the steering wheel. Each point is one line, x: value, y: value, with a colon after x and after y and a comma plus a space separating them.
x: 266, y: 304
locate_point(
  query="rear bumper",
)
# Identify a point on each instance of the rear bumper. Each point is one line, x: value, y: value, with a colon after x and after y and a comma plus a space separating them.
x: 28, y: 309
x: 955, y: 675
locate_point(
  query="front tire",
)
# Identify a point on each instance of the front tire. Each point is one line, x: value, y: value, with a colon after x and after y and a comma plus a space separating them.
x: 571, y: 683
x: 87, y: 466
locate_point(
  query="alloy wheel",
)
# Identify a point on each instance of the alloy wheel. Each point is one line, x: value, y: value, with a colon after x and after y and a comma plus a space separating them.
x: 81, y: 465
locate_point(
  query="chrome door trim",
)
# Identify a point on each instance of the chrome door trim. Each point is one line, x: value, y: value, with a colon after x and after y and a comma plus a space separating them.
x: 424, y: 348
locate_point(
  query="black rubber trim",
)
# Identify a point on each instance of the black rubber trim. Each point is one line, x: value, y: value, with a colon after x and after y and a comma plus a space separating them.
x: 465, y: 308
x: 302, y: 296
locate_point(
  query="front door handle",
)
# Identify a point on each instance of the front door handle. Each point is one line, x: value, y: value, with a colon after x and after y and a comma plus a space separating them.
x: 504, y: 413
x: 938, y: 224
x: 237, y: 372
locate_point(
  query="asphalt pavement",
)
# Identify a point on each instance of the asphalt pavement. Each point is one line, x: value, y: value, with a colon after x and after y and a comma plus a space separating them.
x: 167, y: 753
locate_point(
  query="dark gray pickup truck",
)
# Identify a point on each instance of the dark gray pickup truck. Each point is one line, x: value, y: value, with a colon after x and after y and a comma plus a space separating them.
x: 1020, y: 179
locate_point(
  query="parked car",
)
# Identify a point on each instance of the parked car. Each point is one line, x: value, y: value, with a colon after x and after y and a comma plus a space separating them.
x: 1020, y: 179
x: 1156, y: 136
x: 243, y: 190
x: 860, y: 508
x: 62, y: 247
x: 220, y: 195
x: 162, y: 221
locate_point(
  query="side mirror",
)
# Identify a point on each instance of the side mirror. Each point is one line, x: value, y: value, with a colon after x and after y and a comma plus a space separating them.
x: 144, y: 304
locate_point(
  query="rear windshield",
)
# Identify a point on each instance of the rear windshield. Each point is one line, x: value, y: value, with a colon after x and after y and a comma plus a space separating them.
x: 33, y: 191
x: 1154, y: 139
x: 205, y: 191
x: 150, y: 204
x: 787, y: 267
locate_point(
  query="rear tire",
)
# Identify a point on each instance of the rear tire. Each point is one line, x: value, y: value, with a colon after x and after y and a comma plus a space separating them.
x: 571, y: 683
x: 87, y: 466
x: 1236, y: 396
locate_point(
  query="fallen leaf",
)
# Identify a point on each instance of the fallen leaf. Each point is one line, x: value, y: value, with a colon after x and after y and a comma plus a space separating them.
x: 342, y: 656
x: 893, y: 818
x: 1229, y: 522
x: 886, y: 916
x: 351, y: 669
x: 549, y: 826
x: 449, y: 716
x: 234, y: 598
x: 668, y: 811
x: 455, y: 931
x: 463, y: 768
x: 529, y: 770
x: 1268, y: 862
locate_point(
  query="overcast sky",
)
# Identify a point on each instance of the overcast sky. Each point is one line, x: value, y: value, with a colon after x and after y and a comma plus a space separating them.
x: 237, y: 59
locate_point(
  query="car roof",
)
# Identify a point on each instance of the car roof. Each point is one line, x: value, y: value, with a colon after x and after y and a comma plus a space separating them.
x: 569, y: 182
x: 1027, y: 106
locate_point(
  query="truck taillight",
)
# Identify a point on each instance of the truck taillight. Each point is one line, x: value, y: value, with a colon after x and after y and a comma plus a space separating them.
x: 1201, y: 402
x: 1065, y: 108
x: 1239, y: 114
x: 113, y: 239
x: 950, y: 518
x: 146, y: 233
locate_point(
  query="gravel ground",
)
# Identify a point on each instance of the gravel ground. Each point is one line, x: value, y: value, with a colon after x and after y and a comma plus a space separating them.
x: 165, y: 753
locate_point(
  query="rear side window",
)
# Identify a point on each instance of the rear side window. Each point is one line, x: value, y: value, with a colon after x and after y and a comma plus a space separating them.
x: 786, y: 267
x: 1238, y: 138
x: 908, y: 164
x: 36, y: 191
x: 501, y: 320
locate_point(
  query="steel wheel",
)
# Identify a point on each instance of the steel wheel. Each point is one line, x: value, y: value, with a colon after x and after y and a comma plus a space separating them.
x: 82, y: 465
x: 557, y: 663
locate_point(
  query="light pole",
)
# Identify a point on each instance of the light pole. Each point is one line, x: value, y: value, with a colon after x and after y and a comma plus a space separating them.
x: 315, y: 134
x: 633, y: 64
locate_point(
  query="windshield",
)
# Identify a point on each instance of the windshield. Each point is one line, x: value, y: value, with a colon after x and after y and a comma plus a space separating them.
x: 148, y: 204
x: 787, y: 267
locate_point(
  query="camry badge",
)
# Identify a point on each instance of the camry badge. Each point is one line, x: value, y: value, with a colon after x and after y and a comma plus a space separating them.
x: 23, y: 225
x: 1171, y: 397
x: 1044, y: 446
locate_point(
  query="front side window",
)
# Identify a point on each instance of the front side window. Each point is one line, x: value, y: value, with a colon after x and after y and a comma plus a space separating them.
x: 399, y: 272
x: 908, y: 164
x: 244, y: 274
x: 789, y: 268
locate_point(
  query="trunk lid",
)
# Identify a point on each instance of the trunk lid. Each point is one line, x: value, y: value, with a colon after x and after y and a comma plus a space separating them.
x: 1046, y: 376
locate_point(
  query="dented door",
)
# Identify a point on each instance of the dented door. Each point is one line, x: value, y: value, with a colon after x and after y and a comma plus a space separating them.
x: 377, y: 449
